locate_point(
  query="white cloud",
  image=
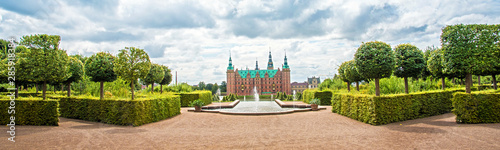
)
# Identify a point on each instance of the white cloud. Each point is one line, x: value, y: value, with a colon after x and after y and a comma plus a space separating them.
x: 194, y: 37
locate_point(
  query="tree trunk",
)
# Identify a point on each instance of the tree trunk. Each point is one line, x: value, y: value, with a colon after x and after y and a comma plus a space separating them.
x: 406, y: 85
x: 357, y: 86
x: 36, y: 88
x: 494, y: 81
x: 54, y: 89
x: 478, y: 80
x: 453, y: 80
x: 101, y: 92
x: 468, y: 82
x: 348, y: 87
x: 62, y: 87
x: 377, y: 87
x: 132, y: 89
x: 152, y: 88
x: 69, y: 89
x: 17, y: 90
x: 161, y: 89
x: 443, y: 84
x: 44, y: 89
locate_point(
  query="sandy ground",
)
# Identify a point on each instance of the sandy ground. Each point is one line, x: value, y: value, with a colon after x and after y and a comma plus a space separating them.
x: 300, y: 130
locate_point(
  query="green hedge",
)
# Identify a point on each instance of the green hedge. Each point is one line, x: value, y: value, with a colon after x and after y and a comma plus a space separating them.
x: 31, y: 111
x: 477, y: 107
x: 187, y: 98
x: 324, y: 96
x: 121, y: 112
x: 378, y: 110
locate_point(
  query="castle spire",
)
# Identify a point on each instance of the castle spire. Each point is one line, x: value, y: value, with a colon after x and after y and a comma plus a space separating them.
x: 270, y: 62
x: 230, y: 67
x: 286, y: 63
x: 256, y: 64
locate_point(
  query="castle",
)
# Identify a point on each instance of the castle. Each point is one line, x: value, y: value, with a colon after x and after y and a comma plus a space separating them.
x: 266, y: 82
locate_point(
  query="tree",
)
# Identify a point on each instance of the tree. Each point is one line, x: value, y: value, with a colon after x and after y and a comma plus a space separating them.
x: 215, y: 88
x: 374, y: 60
x: 49, y: 63
x: 76, y: 70
x: 342, y: 73
x: 99, y: 67
x: 155, y: 75
x: 201, y: 85
x: 427, y: 54
x: 436, y: 67
x: 132, y: 63
x: 79, y: 57
x: 20, y: 66
x: 351, y: 73
x: 409, y: 62
x: 470, y: 49
x: 167, y: 78
x: 209, y: 86
x: 223, y: 86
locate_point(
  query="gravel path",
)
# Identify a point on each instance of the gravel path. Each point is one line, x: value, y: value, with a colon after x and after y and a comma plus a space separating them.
x: 300, y: 130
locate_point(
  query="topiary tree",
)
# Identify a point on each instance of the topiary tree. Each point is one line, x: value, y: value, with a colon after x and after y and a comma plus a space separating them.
x: 470, y: 49
x: 20, y: 66
x: 409, y: 62
x: 436, y: 67
x: 351, y: 73
x: 76, y: 70
x: 132, y: 63
x: 49, y: 63
x: 155, y: 75
x: 99, y: 67
x: 167, y: 78
x: 427, y: 54
x: 342, y: 73
x: 374, y: 60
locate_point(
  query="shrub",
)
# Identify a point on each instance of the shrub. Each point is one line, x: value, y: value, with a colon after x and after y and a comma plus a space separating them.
x: 197, y: 102
x: 315, y: 101
x: 324, y: 96
x: 31, y: 111
x: 229, y: 98
x: 188, y: 98
x: 120, y: 111
x: 477, y: 107
x: 392, y: 108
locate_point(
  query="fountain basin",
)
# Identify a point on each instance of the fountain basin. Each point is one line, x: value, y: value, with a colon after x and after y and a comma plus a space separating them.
x: 256, y: 108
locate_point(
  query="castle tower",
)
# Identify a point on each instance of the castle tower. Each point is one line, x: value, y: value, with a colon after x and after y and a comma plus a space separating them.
x: 230, y: 77
x: 286, y: 78
x: 270, y: 62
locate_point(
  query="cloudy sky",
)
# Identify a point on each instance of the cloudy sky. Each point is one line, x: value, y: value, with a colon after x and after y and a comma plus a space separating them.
x: 194, y: 38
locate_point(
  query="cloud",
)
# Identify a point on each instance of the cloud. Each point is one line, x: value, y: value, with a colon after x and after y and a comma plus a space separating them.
x: 194, y: 37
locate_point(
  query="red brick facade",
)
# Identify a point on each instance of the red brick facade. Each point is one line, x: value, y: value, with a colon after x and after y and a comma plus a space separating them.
x: 243, y: 82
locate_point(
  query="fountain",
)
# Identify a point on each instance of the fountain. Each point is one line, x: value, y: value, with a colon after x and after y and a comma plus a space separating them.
x: 220, y: 98
x: 293, y: 103
x: 255, y: 94
x: 219, y: 95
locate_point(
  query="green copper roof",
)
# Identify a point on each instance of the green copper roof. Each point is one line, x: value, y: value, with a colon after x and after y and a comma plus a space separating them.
x: 253, y: 73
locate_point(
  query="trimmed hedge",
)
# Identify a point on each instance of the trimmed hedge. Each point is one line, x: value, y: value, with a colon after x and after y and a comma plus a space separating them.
x: 324, y: 96
x: 477, y: 107
x: 386, y: 109
x: 187, y: 98
x: 120, y: 112
x: 31, y: 111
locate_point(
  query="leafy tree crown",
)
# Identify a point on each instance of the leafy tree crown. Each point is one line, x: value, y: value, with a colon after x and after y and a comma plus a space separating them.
x: 99, y: 67
x: 132, y: 63
x: 409, y: 61
x: 374, y: 60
